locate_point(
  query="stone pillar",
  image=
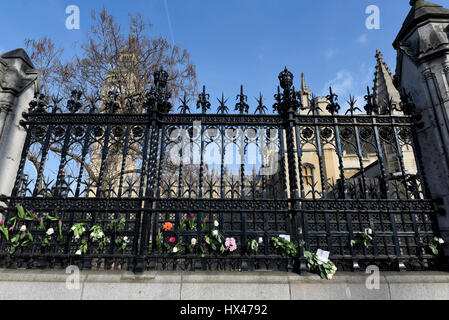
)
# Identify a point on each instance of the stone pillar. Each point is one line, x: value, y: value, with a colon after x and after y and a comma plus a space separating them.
x: 19, y: 82
x: 423, y: 72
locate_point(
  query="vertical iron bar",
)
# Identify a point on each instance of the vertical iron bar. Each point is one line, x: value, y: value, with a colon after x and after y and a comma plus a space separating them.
x: 301, y: 182
x: 148, y: 203
x: 181, y: 163
x: 124, y: 154
x: 201, y: 178
x: 222, y: 171
x: 104, y: 156
x: 151, y: 180
x: 360, y: 156
x: 283, y: 168
x: 407, y: 191
x: 45, y: 149
x: 63, y: 158
x: 242, y: 149
x: 343, y: 183
x: 83, y: 160
x: 161, y: 160
x: 387, y: 189
x: 323, y: 183
x: 263, y: 154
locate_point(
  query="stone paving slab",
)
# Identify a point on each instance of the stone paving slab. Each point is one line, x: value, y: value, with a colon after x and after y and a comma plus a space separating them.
x: 51, y: 285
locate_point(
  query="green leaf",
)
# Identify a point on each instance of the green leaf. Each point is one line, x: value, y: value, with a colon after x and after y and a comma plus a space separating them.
x: 41, y: 224
x: 25, y: 243
x: 434, y: 249
x: 20, y: 212
x: 5, y: 232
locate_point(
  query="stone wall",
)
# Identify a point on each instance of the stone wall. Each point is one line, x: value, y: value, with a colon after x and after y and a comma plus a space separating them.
x: 19, y: 82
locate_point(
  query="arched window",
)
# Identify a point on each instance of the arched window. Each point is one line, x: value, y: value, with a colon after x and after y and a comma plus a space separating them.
x: 307, y: 173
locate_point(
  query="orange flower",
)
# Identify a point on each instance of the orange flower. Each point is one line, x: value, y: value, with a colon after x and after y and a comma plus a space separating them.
x: 167, y: 226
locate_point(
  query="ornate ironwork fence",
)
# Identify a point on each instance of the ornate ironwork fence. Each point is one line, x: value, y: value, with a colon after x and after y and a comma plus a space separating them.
x: 158, y: 184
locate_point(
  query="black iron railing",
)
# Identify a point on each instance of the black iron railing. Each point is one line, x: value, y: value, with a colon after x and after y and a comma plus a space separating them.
x: 160, y: 190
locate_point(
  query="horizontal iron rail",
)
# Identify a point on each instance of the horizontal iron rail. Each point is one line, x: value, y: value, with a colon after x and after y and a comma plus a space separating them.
x: 213, y: 119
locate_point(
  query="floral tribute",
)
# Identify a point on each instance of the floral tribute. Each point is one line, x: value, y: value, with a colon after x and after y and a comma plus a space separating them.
x: 17, y: 231
x: 169, y: 241
x: 318, y: 262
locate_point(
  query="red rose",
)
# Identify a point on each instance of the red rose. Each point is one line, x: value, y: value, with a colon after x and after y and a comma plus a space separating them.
x: 172, y: 239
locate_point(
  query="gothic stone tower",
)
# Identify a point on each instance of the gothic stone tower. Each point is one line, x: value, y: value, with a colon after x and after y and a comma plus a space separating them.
x: 423, y: 75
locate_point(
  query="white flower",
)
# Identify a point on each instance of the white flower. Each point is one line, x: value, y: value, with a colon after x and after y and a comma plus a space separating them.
x: 84, y: 229
x: 126, y: 239
x: 77, y: 237
x: 50, y: 231
x: 215, y: 233
x: 100, y: 235
x: 334, y: 268
x: 329, y: 276
x: 260, y: 240
x: 73, y: 228
x: 175, y: 250
x: 78, y: 253
x: 440, y: 241
x: 370, y: 231
x: 193, y: 242
x: 23, y: 228
x: 92, y: 235
x: 216, y: 224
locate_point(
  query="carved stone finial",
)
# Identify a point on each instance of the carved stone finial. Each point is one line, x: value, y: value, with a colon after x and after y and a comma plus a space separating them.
x: 379, y: 55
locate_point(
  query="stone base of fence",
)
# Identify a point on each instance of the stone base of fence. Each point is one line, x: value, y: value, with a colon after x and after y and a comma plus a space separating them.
x: 49, y: 285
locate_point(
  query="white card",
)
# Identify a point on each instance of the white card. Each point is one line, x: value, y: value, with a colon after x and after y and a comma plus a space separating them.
x: 323, y: 255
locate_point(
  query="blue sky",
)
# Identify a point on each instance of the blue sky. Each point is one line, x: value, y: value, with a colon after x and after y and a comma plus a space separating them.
x: 234, y: 42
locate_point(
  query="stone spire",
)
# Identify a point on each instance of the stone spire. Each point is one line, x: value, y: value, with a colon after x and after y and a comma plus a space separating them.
x: 305, y: 91
x: 304, y: 87
x: 384, y: 89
